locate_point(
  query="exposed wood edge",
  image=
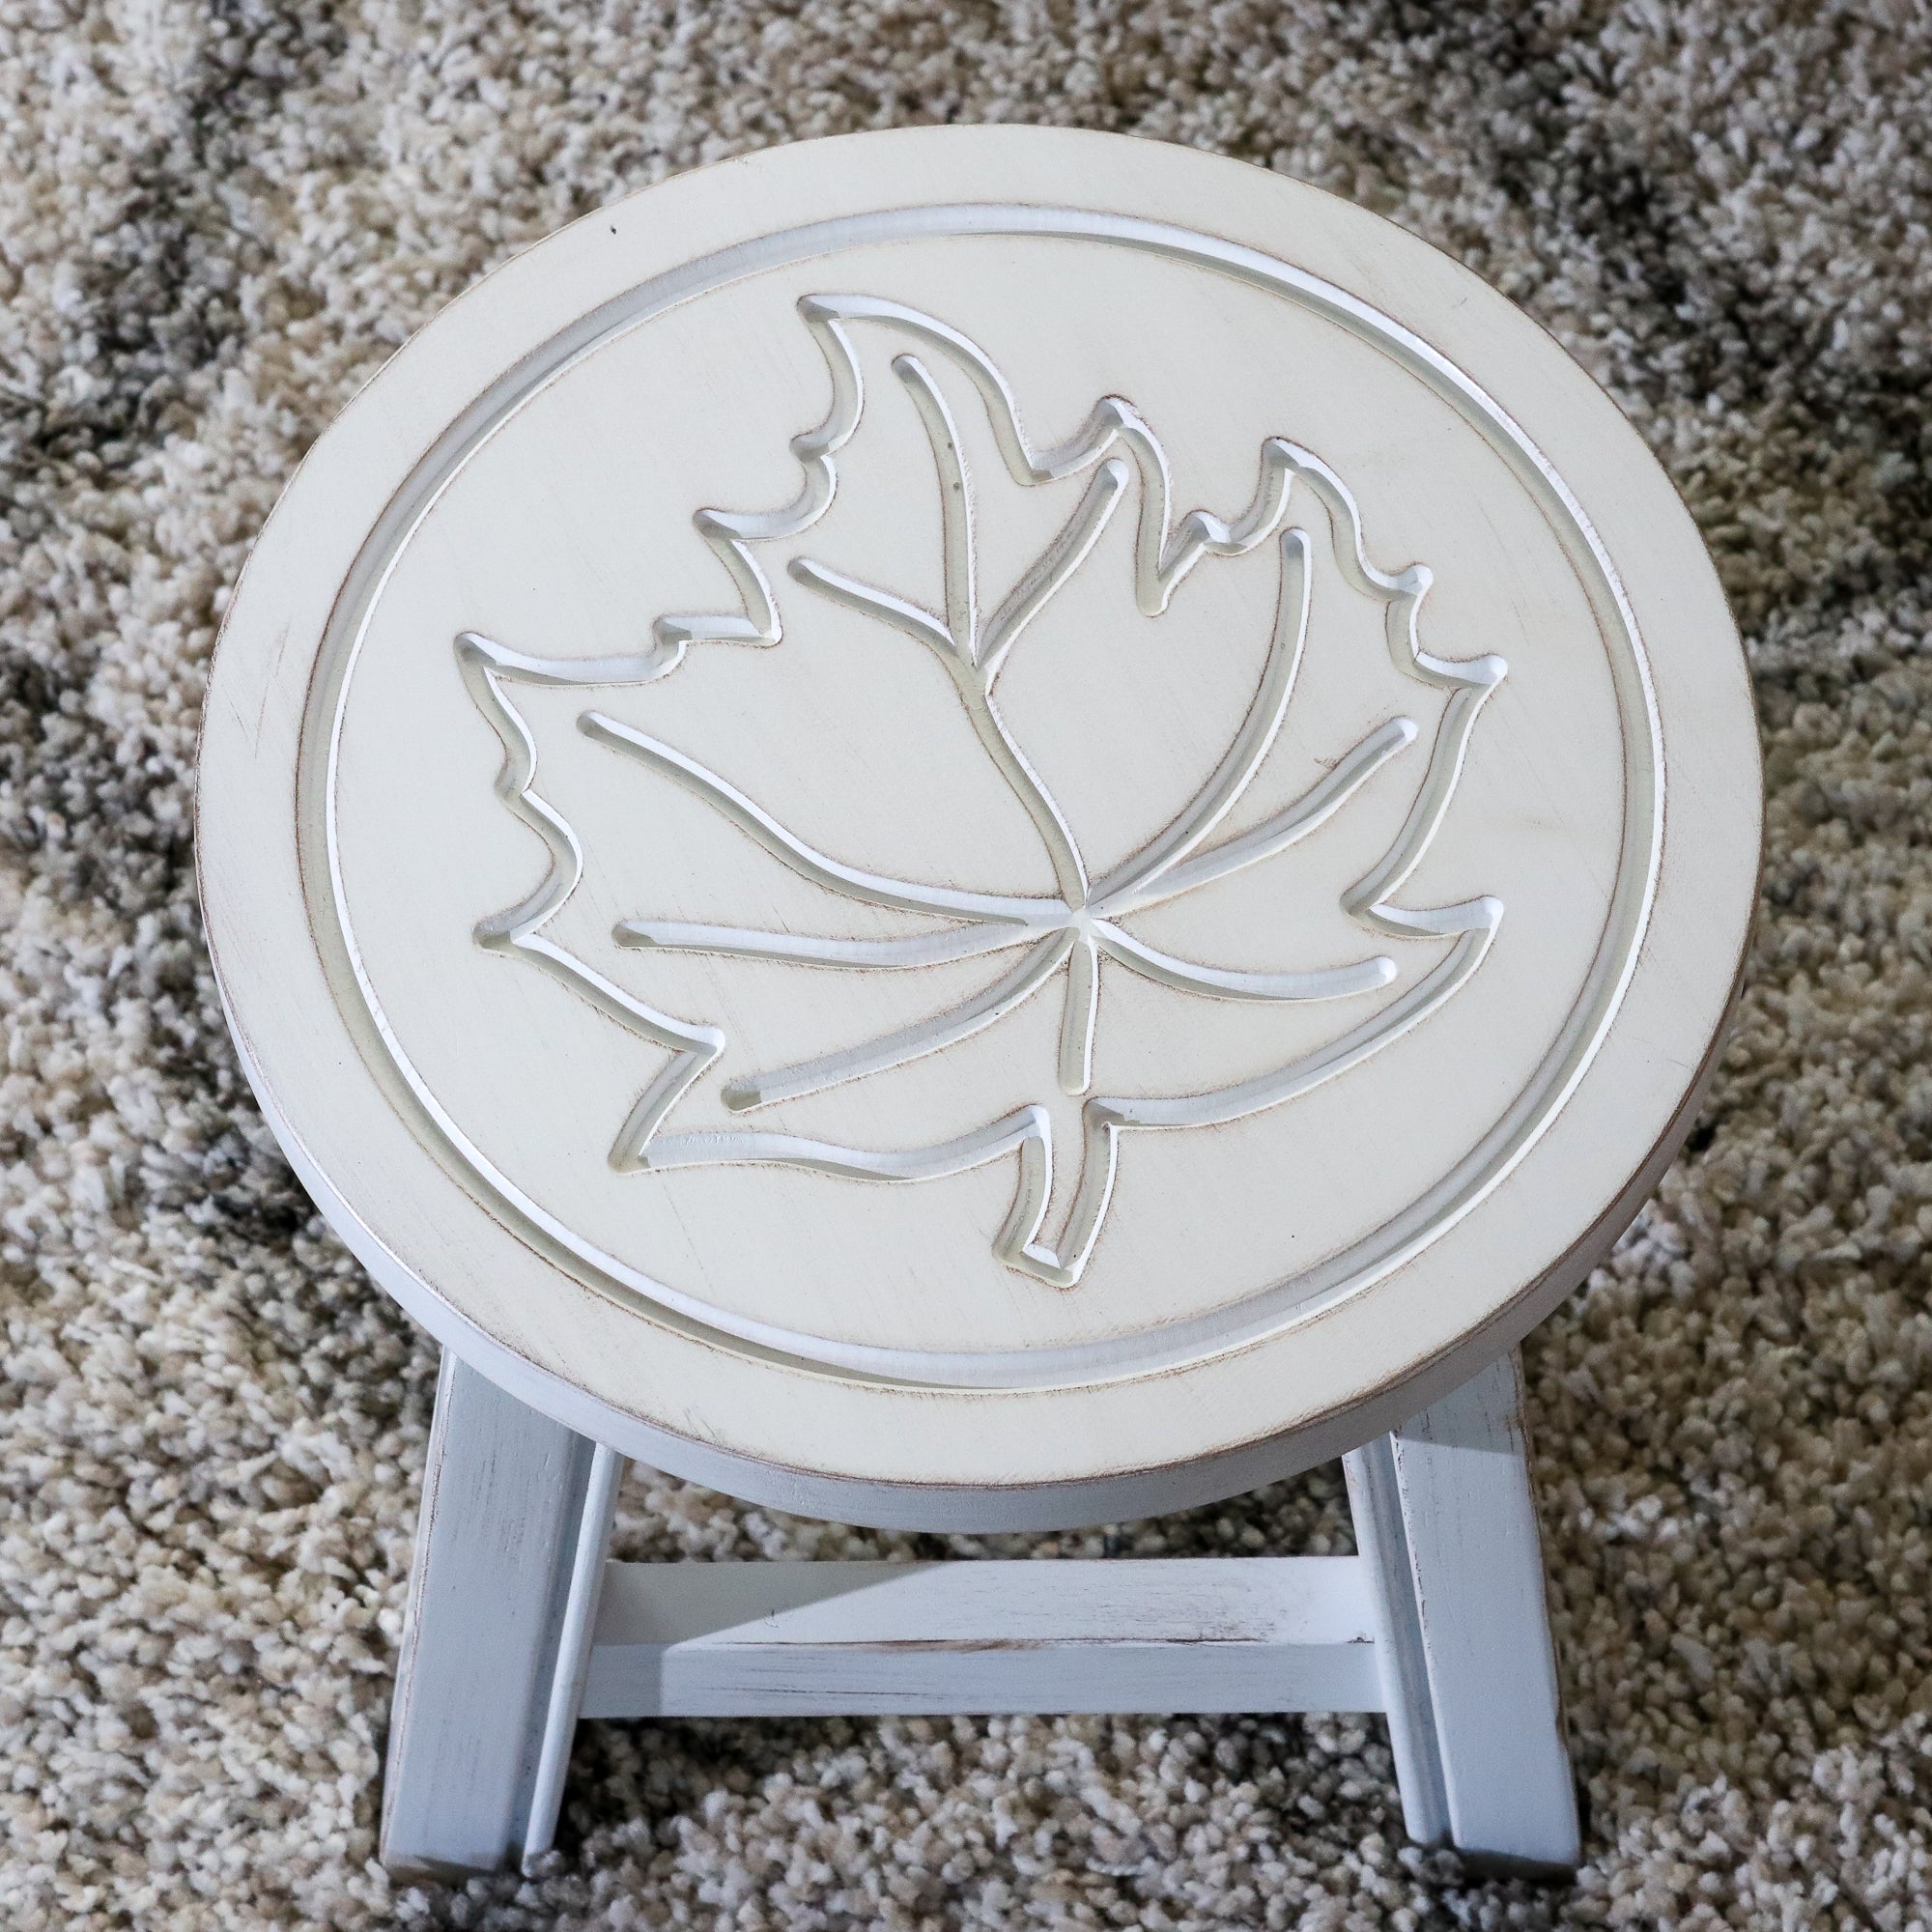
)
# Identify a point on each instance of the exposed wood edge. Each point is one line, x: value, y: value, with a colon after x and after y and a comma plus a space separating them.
x: 1461, y: 1473
x: 1154, y: 1634
x: 1375, y: 1501
x: 503, y: 1498
x: 573, y: 1657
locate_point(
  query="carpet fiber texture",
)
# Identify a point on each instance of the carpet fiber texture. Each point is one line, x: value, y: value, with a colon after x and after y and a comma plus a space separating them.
x: 216, y: 221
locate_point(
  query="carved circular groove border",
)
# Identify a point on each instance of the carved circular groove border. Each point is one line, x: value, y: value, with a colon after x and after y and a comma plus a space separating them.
x: 1168, y: 1345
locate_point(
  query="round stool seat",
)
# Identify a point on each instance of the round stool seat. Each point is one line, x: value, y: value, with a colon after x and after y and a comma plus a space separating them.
x: 980, y: 827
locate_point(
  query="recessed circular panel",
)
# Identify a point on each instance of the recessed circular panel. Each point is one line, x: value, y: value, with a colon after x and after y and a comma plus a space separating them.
x: 973, y: 811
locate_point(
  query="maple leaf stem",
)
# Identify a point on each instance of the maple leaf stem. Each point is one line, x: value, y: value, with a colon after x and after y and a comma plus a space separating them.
x: 1076, y: 1016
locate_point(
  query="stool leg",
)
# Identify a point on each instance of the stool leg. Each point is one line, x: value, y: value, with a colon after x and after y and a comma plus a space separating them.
x: 1446, y: 1522
x: 515, y: 1514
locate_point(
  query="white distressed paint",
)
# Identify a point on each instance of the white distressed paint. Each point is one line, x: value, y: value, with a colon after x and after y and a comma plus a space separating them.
x: 574, y: 1640
x: 1476, y: 1558
x: 887, y: 1221
x: 748, y: 1639
x: 502, y: 1500
x: 518, y: 1625
x: 1374, y: 1502
x: 1003, y: 851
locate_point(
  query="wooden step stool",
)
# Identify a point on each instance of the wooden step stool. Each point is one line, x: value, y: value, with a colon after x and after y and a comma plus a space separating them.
x: 823, y: 928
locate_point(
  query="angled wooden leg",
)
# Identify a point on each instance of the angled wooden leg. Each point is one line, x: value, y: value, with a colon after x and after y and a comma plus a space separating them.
x: 1375, y: 1501
x: 516, y: 1515
x: 1446, y: 1522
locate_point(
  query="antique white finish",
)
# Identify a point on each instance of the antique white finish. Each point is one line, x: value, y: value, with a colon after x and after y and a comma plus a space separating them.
x: 981, y: 828
x: 1184, y: 987
x: 745, y: 1639
x: 519, y: 1626
x: 1080, y: 923
x: 1446, y: 1524
x: 504, y: 1506
x: 576, y: 1633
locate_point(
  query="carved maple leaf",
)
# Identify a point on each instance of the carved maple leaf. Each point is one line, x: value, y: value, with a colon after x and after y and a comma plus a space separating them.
x: 1059, y: 938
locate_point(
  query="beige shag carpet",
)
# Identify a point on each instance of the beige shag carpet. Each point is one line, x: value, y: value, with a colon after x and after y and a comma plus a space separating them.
x: 214, y: 222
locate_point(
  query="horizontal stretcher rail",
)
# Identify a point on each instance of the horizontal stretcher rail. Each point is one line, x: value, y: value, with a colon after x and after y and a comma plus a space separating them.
x: 1119, y: 1635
